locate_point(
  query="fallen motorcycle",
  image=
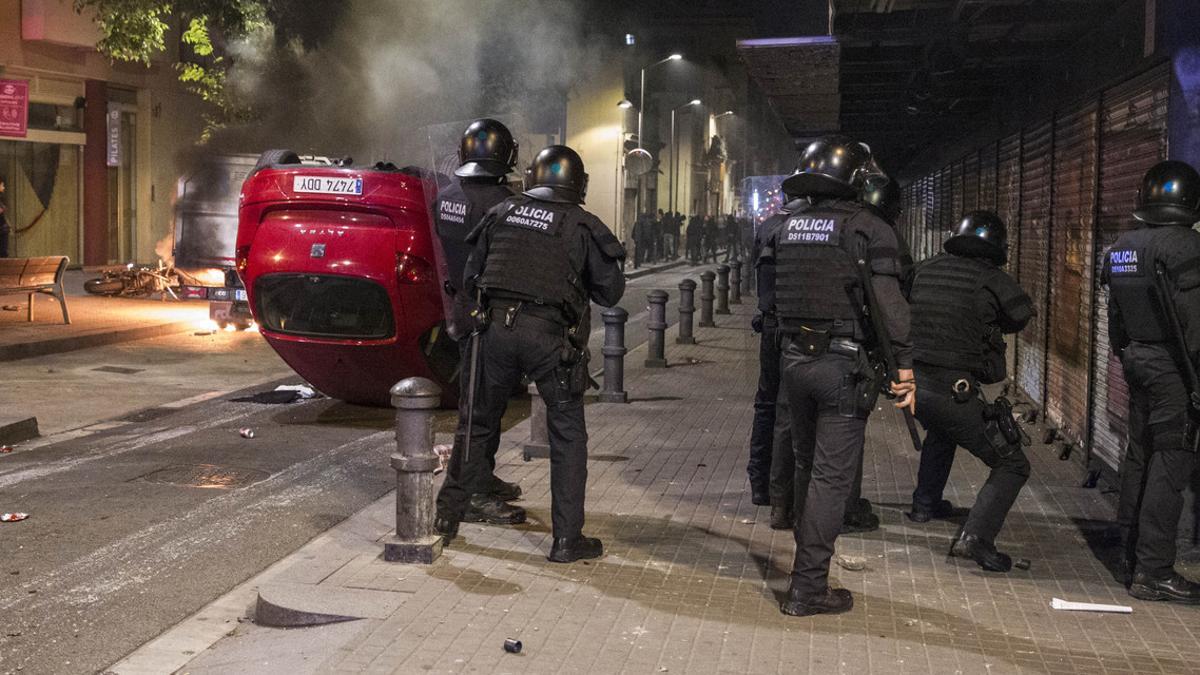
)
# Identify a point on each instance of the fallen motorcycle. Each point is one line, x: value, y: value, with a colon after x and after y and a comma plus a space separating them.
x: 136, y: 281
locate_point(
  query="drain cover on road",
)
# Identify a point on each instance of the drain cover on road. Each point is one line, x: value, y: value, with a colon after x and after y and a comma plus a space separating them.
x: 118, y: 369
x: 205, y: 476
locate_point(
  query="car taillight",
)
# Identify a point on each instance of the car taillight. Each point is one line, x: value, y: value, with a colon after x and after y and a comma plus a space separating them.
x: 242, y: 255
x: 411, y: 269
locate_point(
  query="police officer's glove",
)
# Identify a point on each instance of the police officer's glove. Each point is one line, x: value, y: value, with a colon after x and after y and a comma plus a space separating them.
x: 756, y: 324
x: 905, y: 390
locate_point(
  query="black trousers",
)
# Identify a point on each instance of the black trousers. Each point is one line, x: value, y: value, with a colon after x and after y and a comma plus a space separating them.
x: 454, y: 485
x: 760, y: 468
x: 1158, y: 461
x: 828, y: 447
x: 4, y: 236
x: 950, y: 424
x: 506, y: 354
x: 783, y: 466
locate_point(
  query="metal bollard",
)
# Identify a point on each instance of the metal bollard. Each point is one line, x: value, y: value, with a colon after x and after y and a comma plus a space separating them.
x: 722, y: 289
x: 414, y: 399
x: 748, y: 273
x: 614, y: 356
x: 539, y: 434
x: 706, y: 299
x: 687, y: 295
x: 656, y: 326
x: 735, y: 282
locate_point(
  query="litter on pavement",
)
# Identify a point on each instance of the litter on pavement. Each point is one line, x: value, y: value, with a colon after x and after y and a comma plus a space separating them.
x: 246, y: 432
x: 281, y: 395
x: 12, y: 517
x: 1057, y: 603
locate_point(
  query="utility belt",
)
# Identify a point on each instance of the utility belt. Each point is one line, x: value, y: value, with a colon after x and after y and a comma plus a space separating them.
x: 531, y: 315
x: 817, y: 342
x: 1003, y: 431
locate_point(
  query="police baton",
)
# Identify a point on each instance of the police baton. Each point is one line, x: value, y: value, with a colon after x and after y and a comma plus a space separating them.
x: 882, y: 338
x: 1162, y: 287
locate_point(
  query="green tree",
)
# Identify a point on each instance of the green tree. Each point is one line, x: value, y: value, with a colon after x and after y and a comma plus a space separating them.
x: 136, y: 30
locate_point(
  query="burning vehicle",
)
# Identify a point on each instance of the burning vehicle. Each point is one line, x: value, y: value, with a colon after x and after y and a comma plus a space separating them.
x: 341, y: 271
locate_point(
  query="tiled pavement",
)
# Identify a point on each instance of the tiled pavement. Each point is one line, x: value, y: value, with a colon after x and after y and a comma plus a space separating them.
x: 692, y: 575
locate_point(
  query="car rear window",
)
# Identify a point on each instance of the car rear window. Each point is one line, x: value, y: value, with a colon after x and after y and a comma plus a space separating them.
x: 321, y: 305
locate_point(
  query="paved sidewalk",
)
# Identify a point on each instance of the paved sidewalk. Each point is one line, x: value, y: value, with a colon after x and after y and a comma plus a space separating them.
x: 693, y: 575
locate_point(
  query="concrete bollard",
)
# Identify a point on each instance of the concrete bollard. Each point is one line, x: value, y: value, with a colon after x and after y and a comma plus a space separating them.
x: 706, y: 299
x: 538, y: 444
x: 687, y: 307
x: 748, y: 272
x: 722, y: 289
x: 414, y: 399
x: 656, y: 326
x: 614, y: 356
x: 735, y: 282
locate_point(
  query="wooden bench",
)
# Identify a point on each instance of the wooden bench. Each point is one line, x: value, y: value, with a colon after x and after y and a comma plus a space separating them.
x: 33, y: 276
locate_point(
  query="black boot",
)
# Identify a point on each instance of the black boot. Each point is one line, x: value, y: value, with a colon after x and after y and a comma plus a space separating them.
x: 1175, y: 588
x: 759, y: 495
x: 984, y: 553
x: 830, y: 601
x: 860, y: 518
x: 488, y: 509
x: 781, y: 518
x: 446, y: 527
x: 570, y: 549
x: 923, y: 514
x: 503, y: 490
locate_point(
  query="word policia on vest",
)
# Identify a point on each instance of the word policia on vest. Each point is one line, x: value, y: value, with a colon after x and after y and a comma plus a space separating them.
x: 811, y: 231
x: 1124, y: 261
x: 453, y: 211
x: 542, y: 220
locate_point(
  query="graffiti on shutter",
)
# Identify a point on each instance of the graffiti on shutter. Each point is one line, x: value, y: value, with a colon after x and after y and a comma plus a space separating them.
x: 1037, y: 173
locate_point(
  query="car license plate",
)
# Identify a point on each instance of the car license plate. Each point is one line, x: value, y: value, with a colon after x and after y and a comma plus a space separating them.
x: 327, y: 185
x: 239, y: 294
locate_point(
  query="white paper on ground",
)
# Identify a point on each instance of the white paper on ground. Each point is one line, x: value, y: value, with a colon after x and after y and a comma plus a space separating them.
x: 305, y: 391
x: 1057, y: 603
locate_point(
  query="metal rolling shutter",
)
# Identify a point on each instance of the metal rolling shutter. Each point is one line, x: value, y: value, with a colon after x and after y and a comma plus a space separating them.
x: 928, y: 221
x: 987, y: 177
x: 1008, y: 207
x: 946, y: 207
x: 957, y: 194
x: 1036, y: 197
x: 970, y: 184
x: 1133, y: 136
x: 1074, y: 184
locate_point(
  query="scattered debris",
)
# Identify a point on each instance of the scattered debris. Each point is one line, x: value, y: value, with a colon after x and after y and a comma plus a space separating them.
x: 851, y: 562
x: 512, y: 645
x: 303, y: 390
x: 281, y: 395
x: 1021, y: 563
x: 1067, y: 605
x: 246, y: 432
x: 205, y: 331
x: 12, y: 517
x: 5, y: 449
x: 11, y: 308
x: 702, y: 465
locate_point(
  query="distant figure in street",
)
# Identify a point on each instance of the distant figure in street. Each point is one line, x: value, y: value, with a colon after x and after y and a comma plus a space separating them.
x: 641, y: 240
x: 712, y: 233
x: 4, y: 228
x: 733, y: 239
x: 671, y: 234
x: 656, y: 228
x: 695, y: 236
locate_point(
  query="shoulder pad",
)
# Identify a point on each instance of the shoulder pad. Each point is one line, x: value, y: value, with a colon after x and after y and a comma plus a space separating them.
x: 604, y: 238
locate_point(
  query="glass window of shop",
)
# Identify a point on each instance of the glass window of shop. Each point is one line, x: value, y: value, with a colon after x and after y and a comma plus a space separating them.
x: 42, y: 180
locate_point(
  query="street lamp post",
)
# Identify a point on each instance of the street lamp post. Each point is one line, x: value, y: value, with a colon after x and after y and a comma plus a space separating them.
x: 619, y: 189
x: 642, y: 92
x: 671, y: 174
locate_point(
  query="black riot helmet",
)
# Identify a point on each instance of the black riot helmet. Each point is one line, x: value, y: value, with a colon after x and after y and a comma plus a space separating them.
x: 557, y: 175
x: 981, y: 234
x: 833, y: 166
x: 1169, y: 195
x: 882, y: 194
x: 487, y: 150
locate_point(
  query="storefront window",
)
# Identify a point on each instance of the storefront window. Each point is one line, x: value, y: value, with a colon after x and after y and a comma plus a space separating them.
x: 42, y: 198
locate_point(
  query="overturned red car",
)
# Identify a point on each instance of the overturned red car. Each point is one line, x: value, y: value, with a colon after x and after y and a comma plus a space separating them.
x: 340, y: 266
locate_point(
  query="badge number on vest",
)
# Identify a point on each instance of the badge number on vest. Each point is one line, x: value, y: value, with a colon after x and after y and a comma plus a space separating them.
x: 812, y: 230
x: 534, y: 218
x: 452, y: 211
x: 1124, y: 262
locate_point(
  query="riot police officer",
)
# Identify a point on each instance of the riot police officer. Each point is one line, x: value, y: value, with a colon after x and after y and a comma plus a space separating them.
x: 539, y: 258
x: 487, y: 154
x: 821, y: 253
x: 1162, y: 254
x: 962, y: 304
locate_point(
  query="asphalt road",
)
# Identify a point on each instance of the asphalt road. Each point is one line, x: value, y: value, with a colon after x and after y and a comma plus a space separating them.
x: 139, y: 521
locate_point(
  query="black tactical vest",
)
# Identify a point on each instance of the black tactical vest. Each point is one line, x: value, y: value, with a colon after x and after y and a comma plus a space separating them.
x: 529, y: 254
x: 947, y: 330
x: 458, y: 209
x: 1129, y: 270
x: 815, y: 277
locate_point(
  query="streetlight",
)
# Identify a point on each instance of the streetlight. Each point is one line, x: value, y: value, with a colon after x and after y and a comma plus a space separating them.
x: 642, y: 92
x: 675, y: 153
